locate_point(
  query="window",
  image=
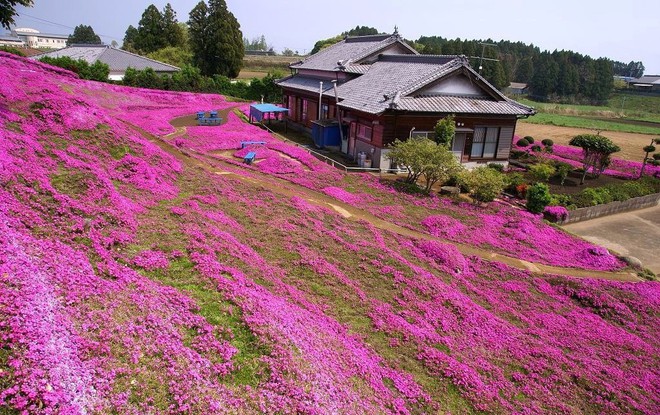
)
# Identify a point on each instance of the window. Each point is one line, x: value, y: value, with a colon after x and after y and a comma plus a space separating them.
x: 325, y: 111
x: 364, y: 132
x: 484, y: 142
x: 422, y: 134
x: 304, y: 110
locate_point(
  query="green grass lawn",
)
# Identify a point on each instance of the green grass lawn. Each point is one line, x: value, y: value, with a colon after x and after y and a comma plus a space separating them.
x: 591, y: 123
x: 624, y: 113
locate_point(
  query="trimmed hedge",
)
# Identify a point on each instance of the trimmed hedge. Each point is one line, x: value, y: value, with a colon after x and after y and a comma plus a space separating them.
x: 614, y: 193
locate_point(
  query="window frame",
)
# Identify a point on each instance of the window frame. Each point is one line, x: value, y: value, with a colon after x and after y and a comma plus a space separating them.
x: 484, y: 142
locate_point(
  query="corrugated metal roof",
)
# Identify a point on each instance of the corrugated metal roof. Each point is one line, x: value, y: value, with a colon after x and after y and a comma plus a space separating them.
x: 303, y: 83
x: 462, y: 105
x: 116, y: 59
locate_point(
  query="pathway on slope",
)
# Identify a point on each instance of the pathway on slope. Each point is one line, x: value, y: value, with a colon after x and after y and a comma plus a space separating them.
x: 284, y: 187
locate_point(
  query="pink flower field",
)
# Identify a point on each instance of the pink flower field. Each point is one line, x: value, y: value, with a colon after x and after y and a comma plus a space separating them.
x: 148, y: 270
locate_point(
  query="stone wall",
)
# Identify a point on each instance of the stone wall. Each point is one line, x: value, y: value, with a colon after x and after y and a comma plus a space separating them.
x: 593, y: 212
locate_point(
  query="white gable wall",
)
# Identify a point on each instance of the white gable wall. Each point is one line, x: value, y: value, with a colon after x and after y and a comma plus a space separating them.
x: 455, y: 85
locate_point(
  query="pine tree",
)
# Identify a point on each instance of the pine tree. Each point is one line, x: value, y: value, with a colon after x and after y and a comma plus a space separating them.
x: 172, y: 31
x: 216, y: 39
x: 150, y: 31
x: 83, y: 34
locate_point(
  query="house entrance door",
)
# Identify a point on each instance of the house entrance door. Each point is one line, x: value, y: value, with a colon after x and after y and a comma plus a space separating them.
x: 458, y: 145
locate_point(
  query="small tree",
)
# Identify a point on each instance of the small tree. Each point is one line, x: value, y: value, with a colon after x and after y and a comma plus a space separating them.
x: 562, y: 170
x: 596, y: 151
x: 412, y: 154
x: 440, y: 166
x: 647, y: 158
x: 538, y: 197
x: 445, y: 129
x: 484, y: 183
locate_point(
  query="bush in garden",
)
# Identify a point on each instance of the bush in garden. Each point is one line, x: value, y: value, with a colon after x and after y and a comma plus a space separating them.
x: 522, y: 143
x: 648, y: 159
x: 541, y: 172
x: 561, y: 171
x: 538, y: 197
x: 517, y: 154
x: 549, y: 149
x: 592, y: 197
x: 529, y: 139
x: 548, y: 142
x: 513, y: 181
x: 537, y: 148
x: 483, y: 183
x: 596, y: 153
x: 496, y: 166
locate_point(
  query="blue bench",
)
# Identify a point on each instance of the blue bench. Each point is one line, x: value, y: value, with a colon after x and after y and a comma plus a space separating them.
x: 209, y: 121
x: 249, y: 157
x: 249, y: 143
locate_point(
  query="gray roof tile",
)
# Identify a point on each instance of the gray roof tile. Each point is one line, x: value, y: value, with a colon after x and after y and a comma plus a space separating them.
x: 353, y: 49
x: 116, y: 59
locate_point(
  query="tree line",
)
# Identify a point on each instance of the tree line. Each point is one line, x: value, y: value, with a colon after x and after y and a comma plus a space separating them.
x: 211, y: 40
x: 551, y: 76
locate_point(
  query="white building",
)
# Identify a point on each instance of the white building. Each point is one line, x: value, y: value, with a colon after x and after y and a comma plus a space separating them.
x: 35, y: 39
x: 12, y: 41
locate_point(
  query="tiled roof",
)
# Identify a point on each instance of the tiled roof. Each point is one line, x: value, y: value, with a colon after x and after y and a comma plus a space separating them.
x: 648, y: 79
x: 351, y: 49
x: 462, y: 105
x: 375, y: 91
x: 116, y: 59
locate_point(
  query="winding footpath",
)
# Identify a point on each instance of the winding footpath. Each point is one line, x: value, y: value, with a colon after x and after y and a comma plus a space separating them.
x: 213, y: 165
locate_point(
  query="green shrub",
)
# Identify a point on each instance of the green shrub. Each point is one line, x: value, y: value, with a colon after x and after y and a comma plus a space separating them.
x: 513, y: 180
x: 496, y: 166
x: 536, y: 148
x: 541, y: 172
x: 517, y: 154
x: 592, y: 197
x: 618, y: 193
x: 529, y: 139
x: 12, y: 50
x: 562, y: 170
x: 548, y: 142
x: 656, y: 156
x: 549, y: 149
x: 538, y: 197
x: 483, y: 183
x: 522, y: 143
x: 410, y: 188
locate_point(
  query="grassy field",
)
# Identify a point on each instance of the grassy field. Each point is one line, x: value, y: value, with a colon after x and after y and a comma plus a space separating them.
x: 623, y: 113
x: 260, y: 66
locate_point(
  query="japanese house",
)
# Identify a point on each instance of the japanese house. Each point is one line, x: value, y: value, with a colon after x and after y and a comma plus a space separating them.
x: 385, y: 90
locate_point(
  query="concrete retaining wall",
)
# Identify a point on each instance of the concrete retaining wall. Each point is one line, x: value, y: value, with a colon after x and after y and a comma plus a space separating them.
x: 593, y: 212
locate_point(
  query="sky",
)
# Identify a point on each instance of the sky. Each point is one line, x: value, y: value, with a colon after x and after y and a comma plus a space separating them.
x: 622, y: 31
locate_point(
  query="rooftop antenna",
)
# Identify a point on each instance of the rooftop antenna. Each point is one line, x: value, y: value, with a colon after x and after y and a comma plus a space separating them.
x: 396, y: 30
x: 481, y: 58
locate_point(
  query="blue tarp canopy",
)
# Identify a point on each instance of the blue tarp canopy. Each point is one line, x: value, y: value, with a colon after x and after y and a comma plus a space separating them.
x: 257, y: 111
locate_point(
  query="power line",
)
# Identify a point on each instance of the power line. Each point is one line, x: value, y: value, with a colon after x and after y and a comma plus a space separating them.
x: 62, y: 25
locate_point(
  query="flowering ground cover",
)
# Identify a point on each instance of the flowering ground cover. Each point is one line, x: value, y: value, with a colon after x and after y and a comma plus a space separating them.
x: 624, y: 169
x: 134, y: 279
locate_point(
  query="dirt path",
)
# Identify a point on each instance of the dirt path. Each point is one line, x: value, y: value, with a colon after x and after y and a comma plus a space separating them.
x: 631, y: 144
x: 191, y: 158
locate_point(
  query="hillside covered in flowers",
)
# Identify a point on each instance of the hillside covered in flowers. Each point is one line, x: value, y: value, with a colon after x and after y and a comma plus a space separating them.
x: 145, y: 269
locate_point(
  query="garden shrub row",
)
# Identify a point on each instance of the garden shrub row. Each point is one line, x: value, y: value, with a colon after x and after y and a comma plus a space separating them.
x: 619, y: 192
